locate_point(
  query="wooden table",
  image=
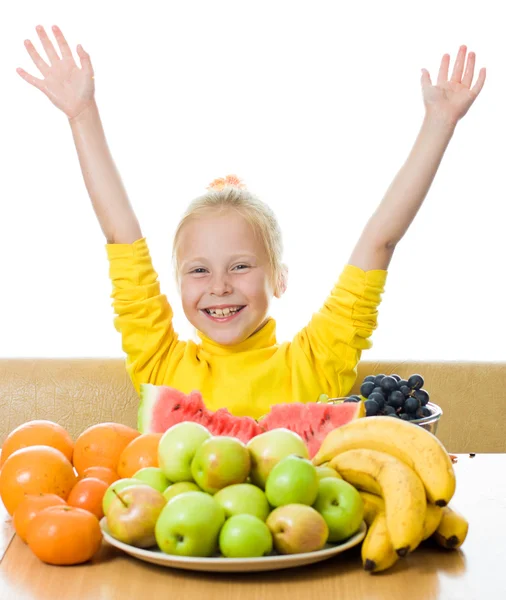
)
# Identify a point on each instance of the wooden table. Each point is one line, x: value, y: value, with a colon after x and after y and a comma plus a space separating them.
x: 476, y: 572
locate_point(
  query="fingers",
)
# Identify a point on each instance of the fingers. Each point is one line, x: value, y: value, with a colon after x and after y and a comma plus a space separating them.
x: 426, y: 81
x: 476, y: 89
x: 467, y: 80
x: 47, y: 45
x: 458, y: 67
x: 443, y: 70
x: 86, y: 65
x: 38, y: 83
x: 37, y: 59
x: 65, y: 50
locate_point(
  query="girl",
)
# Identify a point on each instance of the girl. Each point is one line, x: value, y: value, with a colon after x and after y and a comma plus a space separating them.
x: 228, y: 259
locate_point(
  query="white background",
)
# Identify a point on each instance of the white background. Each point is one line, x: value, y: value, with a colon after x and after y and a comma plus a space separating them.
x: 315, y: 104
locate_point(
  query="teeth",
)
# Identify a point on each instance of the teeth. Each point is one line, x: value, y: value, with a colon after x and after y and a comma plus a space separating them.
x: 218, y: 312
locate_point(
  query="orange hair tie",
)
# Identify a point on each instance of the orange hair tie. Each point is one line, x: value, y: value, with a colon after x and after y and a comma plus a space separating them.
x: 229, y: 180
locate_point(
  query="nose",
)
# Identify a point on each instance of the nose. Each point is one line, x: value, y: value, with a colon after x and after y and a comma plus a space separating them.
x: 220, y: 285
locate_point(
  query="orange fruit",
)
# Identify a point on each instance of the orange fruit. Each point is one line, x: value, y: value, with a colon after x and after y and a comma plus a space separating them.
x: 37, y: 433
x: 101, y: 446
x: 64, y: 535
x: 141, y: 452
x: 88, y: 493
x: 35, y: 470
x: 103, y: 473
x: 31, y: 506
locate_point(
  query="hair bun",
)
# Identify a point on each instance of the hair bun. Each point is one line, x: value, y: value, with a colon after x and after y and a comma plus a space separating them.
x: 228, y: 181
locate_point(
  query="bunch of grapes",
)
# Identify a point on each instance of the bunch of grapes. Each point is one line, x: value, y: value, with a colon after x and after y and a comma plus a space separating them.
x: 393, y: 396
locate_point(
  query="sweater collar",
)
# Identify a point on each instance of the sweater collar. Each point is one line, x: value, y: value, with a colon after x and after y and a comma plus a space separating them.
x: 263, y: 338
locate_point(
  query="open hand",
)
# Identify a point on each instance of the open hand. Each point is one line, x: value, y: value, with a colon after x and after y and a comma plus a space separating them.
x: 69, y: 87
x: 451, y: 98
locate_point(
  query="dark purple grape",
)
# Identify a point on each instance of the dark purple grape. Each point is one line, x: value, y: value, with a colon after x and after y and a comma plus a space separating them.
x: 378, y: 378
x: 415, y: 382
x: 358, y: 398
x: 379, y: 399
x: 369, y: 378
x: 404, y: 416
x: 371, y: 408
x: 388, y: 384
x: 422, y: 396
x: 378, y: 390
x: 426, y: 412
x: 396, y: 377
x: 389, y: 410
x: 406, y: 391
x: 366, y: 388
x: 396, y: 399
x: 411, y: 405
x: 402, y: 382
x: 352, y: 399
x: 394, y: 415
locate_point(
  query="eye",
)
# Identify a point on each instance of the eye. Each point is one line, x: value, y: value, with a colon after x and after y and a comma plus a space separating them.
x: 198, y: 271
x: 241, y: 267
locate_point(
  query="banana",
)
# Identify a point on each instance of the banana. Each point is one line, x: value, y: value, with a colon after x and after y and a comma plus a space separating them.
x: 452, y: 530
x: 373, y: 504
x: 400, y: 488
x: 377, y: 551
x: 433, y: 517
x: 418, y: 448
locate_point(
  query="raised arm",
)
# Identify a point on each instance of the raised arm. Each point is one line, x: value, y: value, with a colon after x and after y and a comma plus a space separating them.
x: 72, y: 90
x: 445, y: 104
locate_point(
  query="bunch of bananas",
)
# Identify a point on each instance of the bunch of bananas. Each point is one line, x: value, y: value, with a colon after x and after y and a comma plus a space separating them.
x: 406, y: 480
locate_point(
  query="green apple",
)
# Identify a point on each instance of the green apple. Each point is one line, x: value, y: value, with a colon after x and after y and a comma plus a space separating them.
x: 116, y: 486
x: 326, y: 471
x: 243, y: 499
x: 342, y: 507
x: 297, y: 528
x: 268, y: 448
x: 245, y: 536
x: 180, y: 488
x: 133, y: 514
x: 154, y: 477
x: 177, y: 448
x: 292, y: 481
x: 189, y: 525
x: 220, y: 461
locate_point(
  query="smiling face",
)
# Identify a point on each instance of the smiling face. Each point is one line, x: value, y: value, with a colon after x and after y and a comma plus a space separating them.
x: 225, y: 276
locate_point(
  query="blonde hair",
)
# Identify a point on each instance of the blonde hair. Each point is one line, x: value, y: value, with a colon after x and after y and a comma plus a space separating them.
x: 231, y: 194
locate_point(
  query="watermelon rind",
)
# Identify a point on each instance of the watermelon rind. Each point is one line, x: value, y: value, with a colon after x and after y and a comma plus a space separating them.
x: 148, y: 397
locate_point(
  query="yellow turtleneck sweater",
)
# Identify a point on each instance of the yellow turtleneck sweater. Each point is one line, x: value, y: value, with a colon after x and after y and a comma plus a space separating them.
x: 249, y: 377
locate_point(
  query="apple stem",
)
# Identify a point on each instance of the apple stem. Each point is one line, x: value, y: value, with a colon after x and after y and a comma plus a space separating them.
x: 121, y: 499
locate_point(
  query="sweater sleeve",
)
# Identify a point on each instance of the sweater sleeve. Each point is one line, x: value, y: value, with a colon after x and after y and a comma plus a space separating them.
x: 336, y: 335
x: 143, y: 314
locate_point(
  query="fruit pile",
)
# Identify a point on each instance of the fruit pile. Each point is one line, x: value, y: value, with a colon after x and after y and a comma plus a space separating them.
x: 223, y: 497
x: 303, y: 476
x: 186, y: 491
x: 51, y: 485
x: 406, y: 480
x: 392, y: 396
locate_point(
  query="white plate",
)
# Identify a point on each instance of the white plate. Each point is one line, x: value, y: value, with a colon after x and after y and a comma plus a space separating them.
x: 220, y: 564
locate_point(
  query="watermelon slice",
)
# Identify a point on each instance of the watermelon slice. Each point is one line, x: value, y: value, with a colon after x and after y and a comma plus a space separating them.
x: 163, y: 406
x: 312, y: 421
